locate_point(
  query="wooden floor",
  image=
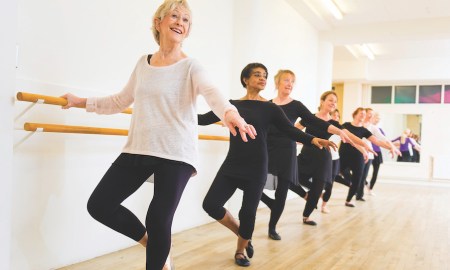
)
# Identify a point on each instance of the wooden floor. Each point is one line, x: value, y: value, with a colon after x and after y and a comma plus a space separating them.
x: 403, y: 227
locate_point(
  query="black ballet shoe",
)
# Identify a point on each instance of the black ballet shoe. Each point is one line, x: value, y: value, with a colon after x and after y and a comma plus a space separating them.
x: 274, y: 235
x: 360, y: 199
x: 349, y: 204
x: 249, y: 249
x: 309, y: 222
x: 241, y: 261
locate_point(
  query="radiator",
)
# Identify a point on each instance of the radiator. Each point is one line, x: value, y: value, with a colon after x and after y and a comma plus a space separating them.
x: 441, y: 167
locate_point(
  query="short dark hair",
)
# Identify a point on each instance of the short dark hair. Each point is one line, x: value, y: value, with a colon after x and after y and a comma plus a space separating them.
x: 246, y: 72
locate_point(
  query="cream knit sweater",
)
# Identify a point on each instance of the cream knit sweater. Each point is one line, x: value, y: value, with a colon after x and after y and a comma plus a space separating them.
x: 164, y: 119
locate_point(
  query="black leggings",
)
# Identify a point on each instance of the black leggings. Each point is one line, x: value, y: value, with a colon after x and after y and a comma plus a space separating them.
x: 277, y: 206
x: 360, y: 191
x: 352, y: 165
x: 313, y: 163
x: 329, y: 186
x: 315, y: 190
x: 123, y: 178
x: 221, y: 190
x: 376, y: 167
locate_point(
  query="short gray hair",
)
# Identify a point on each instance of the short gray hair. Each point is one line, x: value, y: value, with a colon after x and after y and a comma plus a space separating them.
x: 165, y: 8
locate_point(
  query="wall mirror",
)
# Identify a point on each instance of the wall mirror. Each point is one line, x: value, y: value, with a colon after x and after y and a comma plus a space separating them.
x: 394, y: 125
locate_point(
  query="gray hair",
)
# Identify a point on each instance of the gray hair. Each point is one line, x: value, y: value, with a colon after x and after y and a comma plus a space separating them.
x: 165, y: 8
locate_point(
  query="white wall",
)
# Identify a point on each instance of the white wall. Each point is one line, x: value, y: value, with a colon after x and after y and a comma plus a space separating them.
x: 272, y: 32
x: 396, y: 72
x: 89, y: 48
x: 8, y: 19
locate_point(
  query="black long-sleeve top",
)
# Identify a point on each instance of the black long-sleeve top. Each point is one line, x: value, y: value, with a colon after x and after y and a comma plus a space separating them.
x: 360, y: 132
x: 248, y: 160
x: 294, y: 110
x: 318, y: 132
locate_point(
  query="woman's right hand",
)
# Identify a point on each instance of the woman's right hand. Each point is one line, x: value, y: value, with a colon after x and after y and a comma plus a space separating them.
x: 74, y: 101
x: 320, y: 143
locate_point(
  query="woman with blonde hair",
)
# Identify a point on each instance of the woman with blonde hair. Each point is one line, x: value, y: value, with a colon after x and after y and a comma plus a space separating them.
x: 163, y: 87
x: 283, y: 170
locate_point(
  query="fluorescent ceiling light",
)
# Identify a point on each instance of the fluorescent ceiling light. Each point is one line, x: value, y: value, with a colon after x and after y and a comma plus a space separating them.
x: 352, y: 50
x: 333, y: 9
x: 366, y: 50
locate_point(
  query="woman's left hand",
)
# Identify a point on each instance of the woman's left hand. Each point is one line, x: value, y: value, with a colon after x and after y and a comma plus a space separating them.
x: 233, y: 120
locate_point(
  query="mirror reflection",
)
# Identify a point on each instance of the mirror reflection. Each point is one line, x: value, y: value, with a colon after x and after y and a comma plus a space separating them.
x: 405, y: 132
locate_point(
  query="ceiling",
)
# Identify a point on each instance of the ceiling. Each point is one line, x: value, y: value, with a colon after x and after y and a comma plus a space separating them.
x: 392, y: 29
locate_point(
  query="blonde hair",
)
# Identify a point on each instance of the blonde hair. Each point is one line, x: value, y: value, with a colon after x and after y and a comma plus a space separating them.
x: 280, y: 72
x: 163, y: 9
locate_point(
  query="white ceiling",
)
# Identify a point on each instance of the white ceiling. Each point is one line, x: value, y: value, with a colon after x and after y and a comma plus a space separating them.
x: 392, y: 29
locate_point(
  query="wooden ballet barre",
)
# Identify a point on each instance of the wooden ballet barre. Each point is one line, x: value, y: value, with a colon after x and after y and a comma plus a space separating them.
x: 22, y: 96
x: 95, y: 130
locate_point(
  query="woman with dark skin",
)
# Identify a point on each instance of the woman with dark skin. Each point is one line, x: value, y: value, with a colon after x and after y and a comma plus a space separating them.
x: 245, y: 166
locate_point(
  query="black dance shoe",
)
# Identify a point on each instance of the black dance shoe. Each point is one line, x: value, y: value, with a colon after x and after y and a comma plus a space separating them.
x: 274, y: 235
x: 241, y: 261
x: 360, y: 199
x: 349, y: 204
x: 249, y: 249
x: 309, y: 222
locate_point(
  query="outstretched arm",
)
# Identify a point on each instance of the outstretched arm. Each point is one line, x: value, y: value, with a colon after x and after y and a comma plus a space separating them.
x: 385, y: 144
x: 359, y: 143
x: 232, y: 120
x: 281, y: 122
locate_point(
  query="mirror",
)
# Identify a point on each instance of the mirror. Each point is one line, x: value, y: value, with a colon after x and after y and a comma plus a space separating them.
x: 394, y: 125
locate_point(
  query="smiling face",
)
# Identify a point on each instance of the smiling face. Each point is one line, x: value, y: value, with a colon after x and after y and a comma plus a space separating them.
x: 285, y: 84
x: 175, y: 25
x: 172, y: 22
x: 359, y: 115
x: 328, y: 102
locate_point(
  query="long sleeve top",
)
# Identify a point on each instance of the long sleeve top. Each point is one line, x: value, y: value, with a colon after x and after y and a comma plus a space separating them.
x: 407, y: 145
x: 378, y: 134
x: 294, y: 110
x: 375, y: 147
x: 360, y: 132
x: 164, y: 119
x: 249, y: 160
x: 324, y: 134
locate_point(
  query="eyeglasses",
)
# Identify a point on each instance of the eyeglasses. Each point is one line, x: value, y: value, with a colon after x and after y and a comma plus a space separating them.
x: 260, y: 75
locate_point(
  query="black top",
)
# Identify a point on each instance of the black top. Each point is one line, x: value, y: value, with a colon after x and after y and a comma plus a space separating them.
x: 248, y: 160
x: 293, y: 111
x: 321, y: 133
x: 360, y: 132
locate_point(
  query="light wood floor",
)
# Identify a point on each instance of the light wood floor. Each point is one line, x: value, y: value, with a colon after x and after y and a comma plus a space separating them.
x: 402, y: 227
